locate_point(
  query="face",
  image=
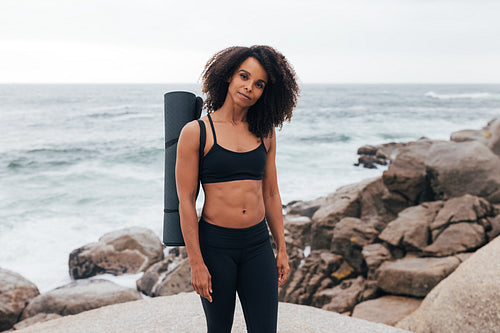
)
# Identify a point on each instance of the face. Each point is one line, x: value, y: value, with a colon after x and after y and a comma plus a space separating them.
x: 247, y: 83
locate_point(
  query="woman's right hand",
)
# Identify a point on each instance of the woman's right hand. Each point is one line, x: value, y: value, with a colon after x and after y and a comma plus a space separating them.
x: 201, y: 280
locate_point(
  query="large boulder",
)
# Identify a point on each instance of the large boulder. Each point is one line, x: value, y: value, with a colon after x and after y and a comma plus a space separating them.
x: 298, y: 230
x: 15, y: 292
x: 386, y: 309
x: 375, y: 254
x: 406, y: 175
x: 459, y: 237
x: 466, y: 301
x: 454, y: 169
x: 129, y: 250
x: 79, y: 296
x: 413, y: 276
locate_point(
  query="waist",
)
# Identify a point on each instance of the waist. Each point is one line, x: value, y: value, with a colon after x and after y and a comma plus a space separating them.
x: 217, y: 236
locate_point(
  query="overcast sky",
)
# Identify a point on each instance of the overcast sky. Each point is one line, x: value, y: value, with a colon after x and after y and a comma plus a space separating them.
x: 165, y: 41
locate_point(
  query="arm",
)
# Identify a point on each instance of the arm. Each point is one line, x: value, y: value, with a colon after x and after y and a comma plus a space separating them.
x: 186, y: 177
x: 274, y: 212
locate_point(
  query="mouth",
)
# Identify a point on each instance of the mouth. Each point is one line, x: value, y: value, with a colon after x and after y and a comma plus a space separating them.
x: 244, y: 96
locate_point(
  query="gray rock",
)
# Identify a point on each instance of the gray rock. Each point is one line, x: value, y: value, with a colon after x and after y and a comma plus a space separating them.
x: 153, y: 275
x: 411, y: 228
x: 304, y: 208
x: 79, y: 296
x: 455, y: 169
x: 373, y: 204
x: 38, y: 318
x: 129, y: 250
x: 494, y: 227
x: 466, y: 301
x: 386, y: 309
x: 176, y: 281
x: 184, y: 313
x: 15, y: 292
x: 414, y: 276
x: 458, y: 237
x: 469, y: 135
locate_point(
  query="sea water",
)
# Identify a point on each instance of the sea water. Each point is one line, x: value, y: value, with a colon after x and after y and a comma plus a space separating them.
x: 77, y: 161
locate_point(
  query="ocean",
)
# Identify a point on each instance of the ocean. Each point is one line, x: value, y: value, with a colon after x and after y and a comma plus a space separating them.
x: 80, y: 160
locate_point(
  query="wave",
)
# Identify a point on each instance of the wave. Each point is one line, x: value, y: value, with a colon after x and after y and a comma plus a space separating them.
x: 475, y: 95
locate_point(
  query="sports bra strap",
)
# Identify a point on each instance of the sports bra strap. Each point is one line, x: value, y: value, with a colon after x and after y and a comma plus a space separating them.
x: 213, y: 128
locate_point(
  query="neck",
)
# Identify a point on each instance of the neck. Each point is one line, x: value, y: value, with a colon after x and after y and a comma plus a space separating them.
x: 232, y: 113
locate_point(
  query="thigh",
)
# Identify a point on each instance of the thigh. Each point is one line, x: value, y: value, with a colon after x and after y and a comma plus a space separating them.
x: 222, y: 267
x: 258, y: 288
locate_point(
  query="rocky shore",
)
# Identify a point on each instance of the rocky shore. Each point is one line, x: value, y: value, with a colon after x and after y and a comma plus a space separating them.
x: 390, y: 250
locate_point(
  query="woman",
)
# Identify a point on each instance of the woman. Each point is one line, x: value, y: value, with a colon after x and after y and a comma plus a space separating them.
x: 249, y: 91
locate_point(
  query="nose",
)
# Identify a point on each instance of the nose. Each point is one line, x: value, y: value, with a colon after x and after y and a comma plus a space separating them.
x: 248, y: 87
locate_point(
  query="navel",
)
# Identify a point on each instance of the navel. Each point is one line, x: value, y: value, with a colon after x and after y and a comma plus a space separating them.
x: 244, y: 211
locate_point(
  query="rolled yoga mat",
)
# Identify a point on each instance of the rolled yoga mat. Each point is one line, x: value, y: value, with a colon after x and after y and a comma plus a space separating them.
x: 181, y: 107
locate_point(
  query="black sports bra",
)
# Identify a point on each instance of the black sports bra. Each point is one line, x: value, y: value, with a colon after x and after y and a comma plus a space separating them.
x: 224, y: 165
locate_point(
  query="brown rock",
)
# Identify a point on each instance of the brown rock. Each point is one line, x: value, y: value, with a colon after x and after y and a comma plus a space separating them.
x: 152, y: 276
x: 374, y: 255
x: 15, y: 293
x: 386, y: 309
x: 79, y: 296
x: 304, y: 208
x: 299, y: 228
x: 458, y: 237
x: 341, y: 298
x: 466, y: 208
x: 414, y: 276
x: 129, y: 250
x: 455, y: 169
x: 342, y: 203
x: 349, y: 237
x: 406, y: 174
x: 466, y: 301
x: 411, y: 228
x: 494, y: 141
x: 494, y: 228
x: 372, y: 203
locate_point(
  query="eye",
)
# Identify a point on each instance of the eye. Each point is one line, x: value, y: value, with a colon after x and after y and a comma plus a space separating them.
x: 260, y: 85
x: 243, y: 76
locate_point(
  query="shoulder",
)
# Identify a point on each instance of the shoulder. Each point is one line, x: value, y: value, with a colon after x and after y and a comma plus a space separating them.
x: 191, y: 128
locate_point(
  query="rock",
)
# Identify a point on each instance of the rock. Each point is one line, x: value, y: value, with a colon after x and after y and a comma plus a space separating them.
x: 299, y: 228
x: 458, y: 237
x: 466, y: 208
x: 494, y: 130
x: 406, y: 174
x: 15, y: 293
x: 414, y: 276
x: 349, y: 237
x: 494, y: 230
x: 129, y: 250
x: 454, y: 169
x: 374, y: 255
x: 79, y: 296
x: 466, y: 301
x: 38, y: 318
x: 313, y: 275
x: 184, y: 313
x: 386, y: 309
x: 153, y: 275
x: 304, y: 208
x: 469, y: 135
x: 372, y: 204
x: 175, y: 281
x: 342, y: 203
x: 411, y: 228
x: 341, y: 298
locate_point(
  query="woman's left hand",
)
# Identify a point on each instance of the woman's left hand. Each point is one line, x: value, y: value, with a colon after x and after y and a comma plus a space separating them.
x: 282, y: 266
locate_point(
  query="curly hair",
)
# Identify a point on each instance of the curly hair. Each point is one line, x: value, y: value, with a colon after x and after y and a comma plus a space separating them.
x: 280, y: 94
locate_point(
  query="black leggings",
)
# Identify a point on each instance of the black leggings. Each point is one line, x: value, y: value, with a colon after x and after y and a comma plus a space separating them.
x: 240, y: 260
